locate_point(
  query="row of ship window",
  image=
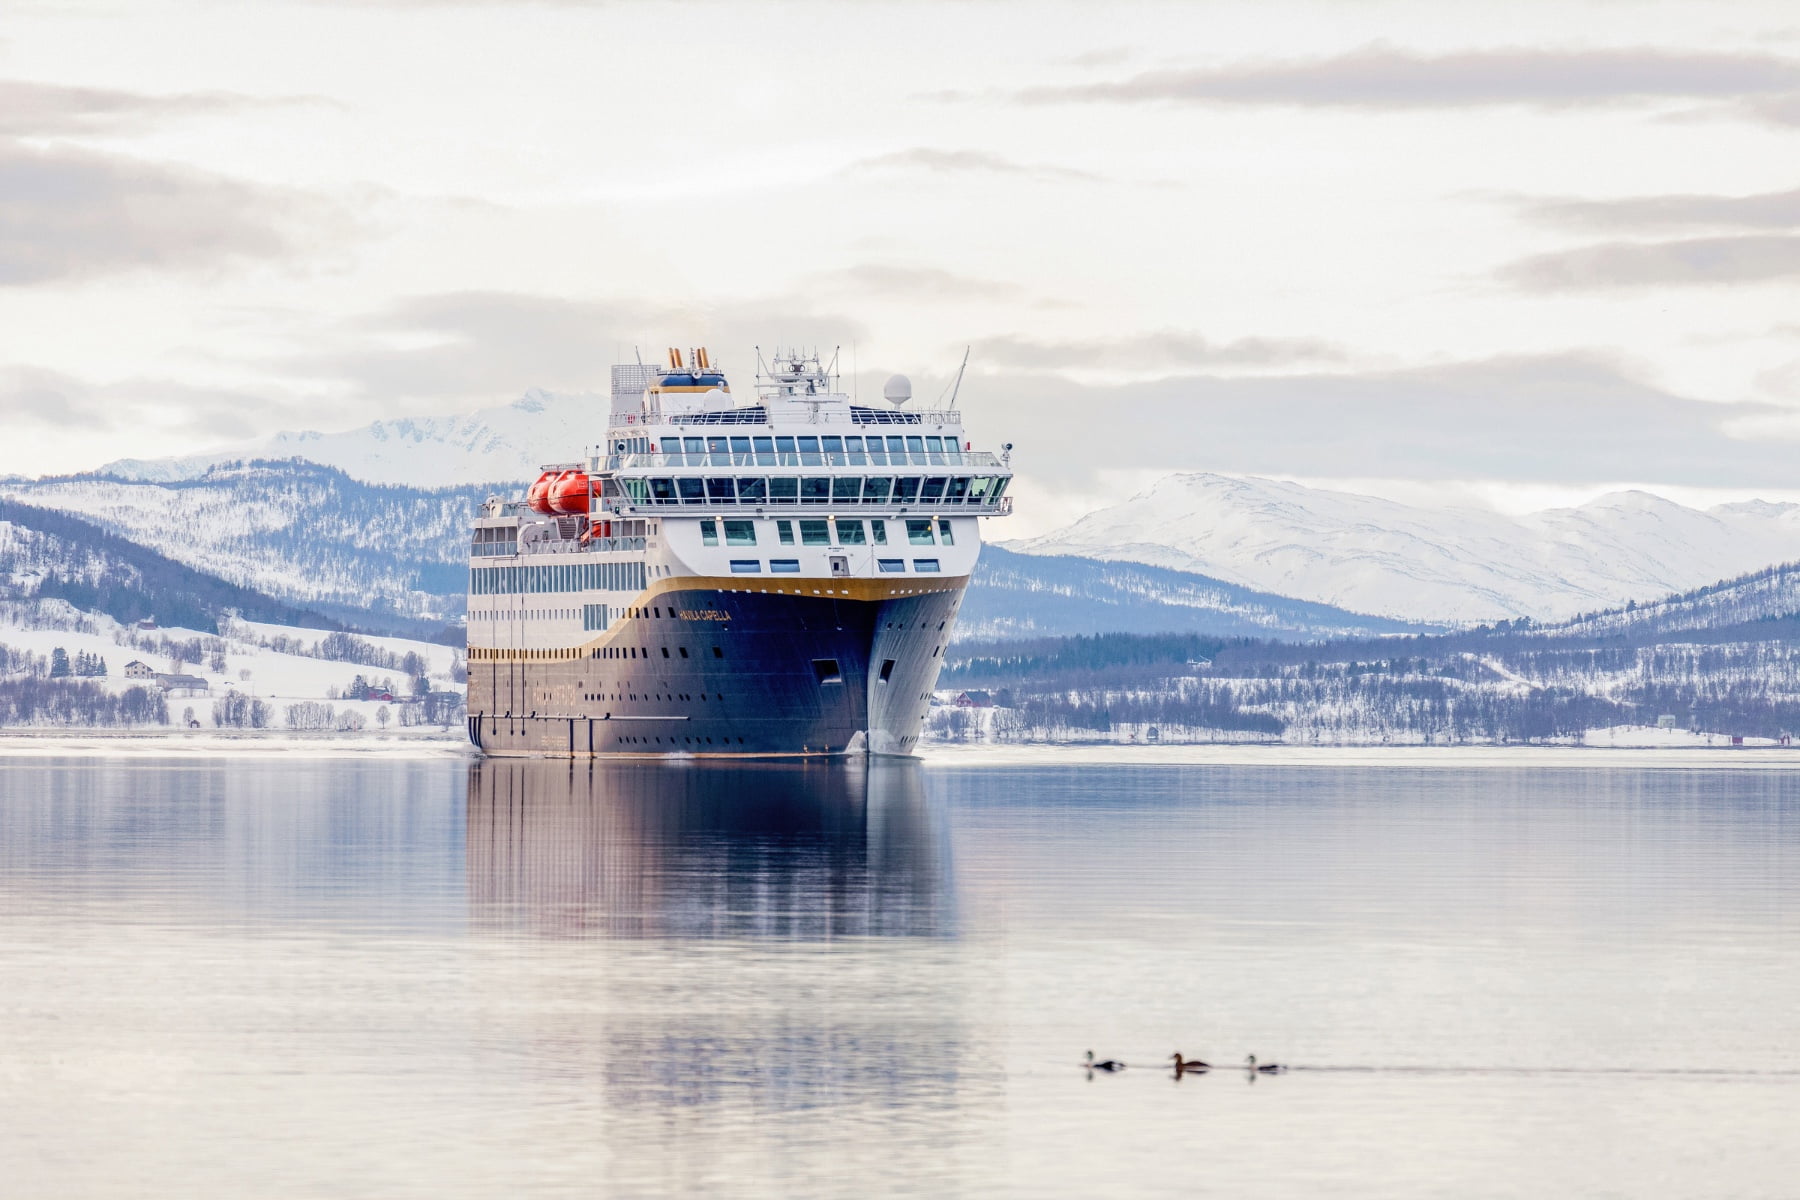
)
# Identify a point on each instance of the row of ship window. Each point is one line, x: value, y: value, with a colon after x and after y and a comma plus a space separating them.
x: 557, y: 577
x: 933, y: 490
x: 870, y: 449
x: 850, y: 531
x: 791, y: 566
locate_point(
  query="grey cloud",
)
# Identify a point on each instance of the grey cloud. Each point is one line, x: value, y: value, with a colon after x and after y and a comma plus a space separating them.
x: 1713, y: 260
x: 31, y: 395
x: 967, y: 162
x: 1167, y: 349
x: 1777, y: 110
x: 917, y: 282
x: 73, y: 214
x: 1560, y: 419
x: 29, y: 108
x: 1765, y: 210
x: 1384, y: 77
x: 482, y: 345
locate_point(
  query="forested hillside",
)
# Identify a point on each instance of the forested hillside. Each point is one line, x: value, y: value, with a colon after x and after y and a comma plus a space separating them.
x: 309, y: 534
x: 46, y: 555
x: 1034, y: 595
x: 1724, y: 660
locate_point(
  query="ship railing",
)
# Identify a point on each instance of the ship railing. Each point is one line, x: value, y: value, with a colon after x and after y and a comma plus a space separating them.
x: 859, y: 416
x: 974, y: 459
x: 602, y: 545
x: 597, y: 545
x: 788, y: 506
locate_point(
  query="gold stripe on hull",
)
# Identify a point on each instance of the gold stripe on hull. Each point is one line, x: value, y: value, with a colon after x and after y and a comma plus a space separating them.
x: 864, y: 591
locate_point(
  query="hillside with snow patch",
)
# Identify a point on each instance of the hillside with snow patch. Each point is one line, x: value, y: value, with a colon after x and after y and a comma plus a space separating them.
x: 502, y: 444
x: 1373, y: 555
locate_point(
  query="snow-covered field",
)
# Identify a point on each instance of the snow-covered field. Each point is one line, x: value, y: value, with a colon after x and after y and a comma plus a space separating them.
x: 156, y: 743
x: 941, y: 754
x: 278, y: 679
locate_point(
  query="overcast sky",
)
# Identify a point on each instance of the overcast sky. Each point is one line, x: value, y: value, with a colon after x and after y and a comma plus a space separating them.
x: 1526, y: 251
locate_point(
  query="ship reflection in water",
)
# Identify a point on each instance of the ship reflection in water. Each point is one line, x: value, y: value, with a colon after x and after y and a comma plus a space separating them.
x: 700, y: 849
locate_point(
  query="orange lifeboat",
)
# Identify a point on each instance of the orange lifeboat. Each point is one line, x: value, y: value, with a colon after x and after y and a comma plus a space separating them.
x: 538, y: 498
x: 569, y: 494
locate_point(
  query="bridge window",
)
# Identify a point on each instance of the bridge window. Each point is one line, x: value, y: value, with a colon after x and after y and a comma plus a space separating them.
x: 891, y: 565
x: 815, y: 489
x: 878, y: 530
x: 925, y: 564
x: 764, y: 445
x: 897, y: 445
x: 915, y: 445
x: 717, y: 444
x: 722, y: 491
x: 933, y: 491
x: 906, y: 490
x: 935, y: 445
x: 784, y: 491
x: 850, y: 533
x: 784, y: 532
x: 944, y: 535
x: 740, y: 533
x: 740, y: 445
x: 919, y: 532
x: 784, y: 445
x: 815, y: 533
x: 691, y: 490
x: 845, y: 489
x: 875, y: 489
x: 959, y: 489
x: 752, y: 491
x: 709, y: 532
x: 695, y: 445
x: 832, y: 444
x: 671, y: 445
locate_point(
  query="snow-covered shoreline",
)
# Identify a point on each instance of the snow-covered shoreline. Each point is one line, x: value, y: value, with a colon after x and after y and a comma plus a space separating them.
x: 139, y: 743
x: 945, y: 754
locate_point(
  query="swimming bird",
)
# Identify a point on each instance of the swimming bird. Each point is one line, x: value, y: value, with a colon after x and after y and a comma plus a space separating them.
x: 1189, y: 1064
x: 1265, y: 1069
x: 1110, y: 1064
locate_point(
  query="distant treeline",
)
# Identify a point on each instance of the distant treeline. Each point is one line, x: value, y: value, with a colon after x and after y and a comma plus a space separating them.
x: 98, y: 571
x: 33, y: 701
x: 1514, y: 682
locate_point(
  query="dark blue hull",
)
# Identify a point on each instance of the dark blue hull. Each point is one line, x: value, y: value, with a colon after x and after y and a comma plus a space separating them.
x: 713, y: 670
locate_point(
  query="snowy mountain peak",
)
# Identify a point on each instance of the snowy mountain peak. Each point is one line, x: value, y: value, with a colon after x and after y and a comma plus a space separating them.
x: 504, y: 443
x: 1374, y: 555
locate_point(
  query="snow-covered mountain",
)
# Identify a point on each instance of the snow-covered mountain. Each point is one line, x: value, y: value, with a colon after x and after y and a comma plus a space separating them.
x: 1373, y: 555
x: 504, y: 443
x: 306, y: 533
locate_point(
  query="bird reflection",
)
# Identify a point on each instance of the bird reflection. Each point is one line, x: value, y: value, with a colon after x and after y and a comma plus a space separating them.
x: 701, y: 850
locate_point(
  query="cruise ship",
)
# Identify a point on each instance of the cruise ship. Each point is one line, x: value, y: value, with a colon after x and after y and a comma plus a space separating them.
x: 773, y: 576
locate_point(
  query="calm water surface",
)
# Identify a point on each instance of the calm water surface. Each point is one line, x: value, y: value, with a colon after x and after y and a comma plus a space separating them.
x: 278, y: 978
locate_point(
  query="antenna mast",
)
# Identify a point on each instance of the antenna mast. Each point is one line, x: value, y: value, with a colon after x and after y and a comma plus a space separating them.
x: 959, y: 374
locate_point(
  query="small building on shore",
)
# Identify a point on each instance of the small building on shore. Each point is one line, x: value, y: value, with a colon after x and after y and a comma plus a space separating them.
x: 138, y: 669
x: 183, y: 685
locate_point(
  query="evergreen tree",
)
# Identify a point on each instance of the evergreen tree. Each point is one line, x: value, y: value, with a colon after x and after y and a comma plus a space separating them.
x: 59, y: 663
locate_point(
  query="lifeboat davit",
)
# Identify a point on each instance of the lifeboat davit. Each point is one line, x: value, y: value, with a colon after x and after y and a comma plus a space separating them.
x: 538, y: 498
x: 569, y: 494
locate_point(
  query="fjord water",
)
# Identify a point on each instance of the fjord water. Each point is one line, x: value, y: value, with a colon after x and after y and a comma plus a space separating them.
x: 257, y: 976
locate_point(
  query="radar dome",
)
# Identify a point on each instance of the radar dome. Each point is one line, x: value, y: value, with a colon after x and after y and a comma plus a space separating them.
x: 897, y: 390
